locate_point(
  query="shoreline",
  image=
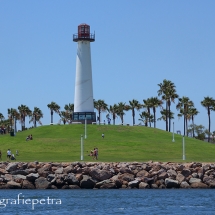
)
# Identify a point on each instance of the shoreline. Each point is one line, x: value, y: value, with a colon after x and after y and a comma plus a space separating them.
x: 106, y: 175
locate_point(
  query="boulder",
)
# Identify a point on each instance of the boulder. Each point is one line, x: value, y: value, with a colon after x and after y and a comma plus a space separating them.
x: 198, y: 185
x: 186, y: 172
x: 108, y: 186
x: 126, y: 177
x: 170, y: 183
x: 133, y: 184
x: 32, y: 177
x: 194, y: 180
x: 11, y: 167
x: 184, y: 184
x: 13, y: 185
x: 27, y: 185
x: 180, y: 177
x: 42, y: 183
x: 59, y: 170
x: 71, y: 179
x: 87, y: 182
x: 100, y: 174
x: 142, y: 173
x: 143, y: 185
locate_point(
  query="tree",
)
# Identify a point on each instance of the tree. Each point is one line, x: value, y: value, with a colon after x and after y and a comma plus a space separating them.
x: 134, y: 104
x: 1, y: 117
x: 191, y: 113
x: 184, y: 103
x: 165, y: 113
x: 13, y: 116
x: 147, y: 104
x: 24, y: 111
x: 168, y: 93
x: 69, y: 111
x: 209, y: 104
x: 36, y: 116
x: 145, y: 117
x: 100, y: 106
x: 64, y: 117
x: 155, y: 102
x: 54, y: 107
x: 113, y: 111
x: 121, y: 107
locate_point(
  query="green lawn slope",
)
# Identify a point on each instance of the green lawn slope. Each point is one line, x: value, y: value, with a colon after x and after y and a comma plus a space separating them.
x: 61, y: 143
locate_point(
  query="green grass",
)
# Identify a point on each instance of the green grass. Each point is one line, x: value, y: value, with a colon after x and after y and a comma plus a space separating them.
x: 61, y: 143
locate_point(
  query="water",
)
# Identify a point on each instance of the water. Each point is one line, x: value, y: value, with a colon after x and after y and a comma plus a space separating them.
x: 94, y: 202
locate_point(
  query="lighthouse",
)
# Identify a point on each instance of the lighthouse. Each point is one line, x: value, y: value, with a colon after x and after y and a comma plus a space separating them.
x: 83, y: 100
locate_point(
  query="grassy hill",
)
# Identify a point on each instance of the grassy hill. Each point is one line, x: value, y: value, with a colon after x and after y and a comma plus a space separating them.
x: 61, y: 143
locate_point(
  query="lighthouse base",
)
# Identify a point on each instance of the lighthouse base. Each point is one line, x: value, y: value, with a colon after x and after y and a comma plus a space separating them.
x: 81, y: 116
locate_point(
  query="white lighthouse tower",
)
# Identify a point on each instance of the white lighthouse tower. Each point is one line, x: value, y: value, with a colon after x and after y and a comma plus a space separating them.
x: 83, y: 102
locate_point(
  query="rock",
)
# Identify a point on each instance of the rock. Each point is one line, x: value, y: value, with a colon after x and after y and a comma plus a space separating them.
x: 19, y: 172
x: 59, y: 170
x: 11, y: 167
x: 71, y: 179
x: 126, y: 177
x: 143, y: 185
x: 100, y: 174
x: 180, y: 177
x: 194, y: 180
x: 87, y: 182
x: 3, y: 171
x: 42, y: 183
x: 154, y: 186
x: 184, y: 184
x: 185, y: 172
x: 32, y: 177
x: 170, y: 183
x: 172, y: 173
x: 108, y: 186
x: 163, y: 175
x: 198, y: 185
x: 13, y: 185
x: 99, y: 184
x: 142, y: 173
x: 27, y: 185
x: 125, y: 170
x: 74, y: 187
x: 133, y: 184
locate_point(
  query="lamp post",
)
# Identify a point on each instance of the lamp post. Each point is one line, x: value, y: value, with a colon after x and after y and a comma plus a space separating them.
x: 85, y: 128
x: 173, y: 140
x: 82, y: 148
x: 14, y: 126
x: 183, y: 149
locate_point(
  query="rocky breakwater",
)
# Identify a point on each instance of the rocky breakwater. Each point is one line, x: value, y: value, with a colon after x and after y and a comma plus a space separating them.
x: 92, y: 175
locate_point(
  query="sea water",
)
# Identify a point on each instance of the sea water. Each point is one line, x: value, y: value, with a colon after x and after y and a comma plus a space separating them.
x: 93, y: 202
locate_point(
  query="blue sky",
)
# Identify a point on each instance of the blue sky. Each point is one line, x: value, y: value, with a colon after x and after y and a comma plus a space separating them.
x: 138, y: 45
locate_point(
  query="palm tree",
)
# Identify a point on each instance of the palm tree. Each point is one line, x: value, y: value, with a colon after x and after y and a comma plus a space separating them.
x: 24, y: 111
x: 192, y: 111
x: 54, y: 107
x: 36, y: 116
x: 168, y: 93
x: 184, y: 103
x: 69, y: 111
x: 155, y: 102
x: 121, y: 107
x: 134, y: 104
x: 147, y: 104
x: 145, y: 117
x: 100, y: 106
x: 165, y: 113
x: 64, y: 116
x: 1, y: 117
x: 12, y: 116
x: 209, y: 104
x: 113, y: 111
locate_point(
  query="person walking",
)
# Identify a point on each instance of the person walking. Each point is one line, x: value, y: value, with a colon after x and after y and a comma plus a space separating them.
x: 8, y: 154
x: 103, y: 135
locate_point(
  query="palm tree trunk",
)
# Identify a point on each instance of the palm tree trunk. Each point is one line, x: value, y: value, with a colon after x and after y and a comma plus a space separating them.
x: 133, y: 114
x: 166, y: 116
x: 209, y: 126
x: 154, y: 118
x: 51, y: 116
x: 169, y: 117
x: 193, y: 126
